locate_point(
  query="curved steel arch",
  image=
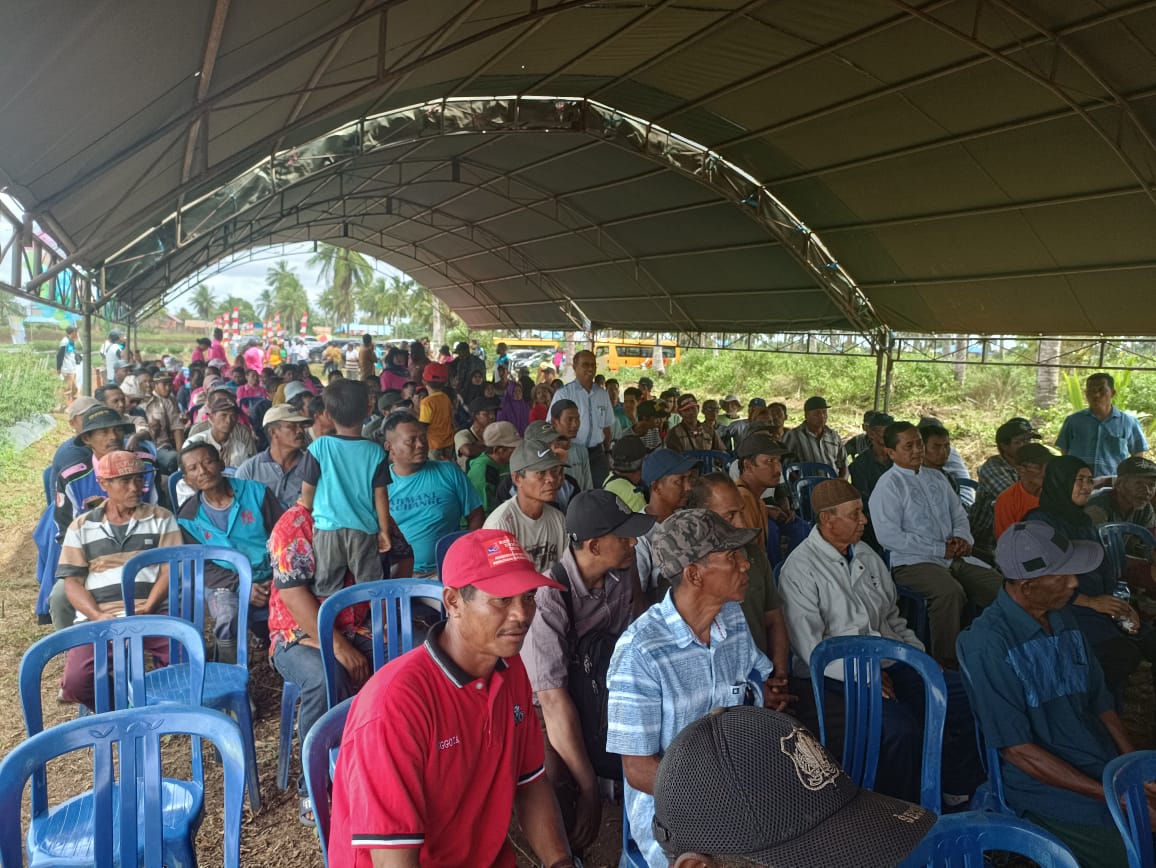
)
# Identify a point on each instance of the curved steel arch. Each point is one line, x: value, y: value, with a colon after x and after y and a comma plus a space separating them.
x: 287, y: 169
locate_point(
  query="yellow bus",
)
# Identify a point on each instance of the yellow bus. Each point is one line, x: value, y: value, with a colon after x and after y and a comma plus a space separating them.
x: 617, y: 353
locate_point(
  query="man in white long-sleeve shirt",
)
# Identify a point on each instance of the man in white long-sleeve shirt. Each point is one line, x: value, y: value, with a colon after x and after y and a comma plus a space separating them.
x: 833, y: 586
x: 918, y: 518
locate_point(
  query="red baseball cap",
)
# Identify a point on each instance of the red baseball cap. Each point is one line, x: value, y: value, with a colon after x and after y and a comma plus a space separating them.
x: 492, y: 561
x: 435, y: 373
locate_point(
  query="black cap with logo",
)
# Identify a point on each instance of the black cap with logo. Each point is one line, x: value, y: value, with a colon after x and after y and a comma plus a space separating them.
x: 752, y: 782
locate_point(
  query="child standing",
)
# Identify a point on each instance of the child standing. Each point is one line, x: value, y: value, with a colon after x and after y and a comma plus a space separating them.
x: 345, y: 479
x: 437, y: 412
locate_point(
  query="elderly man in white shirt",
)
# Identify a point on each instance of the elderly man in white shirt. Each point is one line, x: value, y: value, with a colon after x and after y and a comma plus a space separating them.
x: 833, y: 586
x: 918, y: 518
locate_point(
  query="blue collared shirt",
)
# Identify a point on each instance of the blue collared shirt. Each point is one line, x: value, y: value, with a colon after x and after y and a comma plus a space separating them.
x: 662, y: 677
x: 1032, y: 687
x: 1102, y: 444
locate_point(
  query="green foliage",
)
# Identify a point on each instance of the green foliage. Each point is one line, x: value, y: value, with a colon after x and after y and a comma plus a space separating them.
x: 28, y: 385
x: 204, y: 302
x: 283, y: 294
x: 348, y: 273
x: 1004, y: 387
x: 243, y: 306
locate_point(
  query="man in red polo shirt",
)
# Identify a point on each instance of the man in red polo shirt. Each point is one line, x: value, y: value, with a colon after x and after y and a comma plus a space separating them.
x: 442, y: 742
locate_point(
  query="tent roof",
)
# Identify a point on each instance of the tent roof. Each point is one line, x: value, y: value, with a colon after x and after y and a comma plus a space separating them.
x: 979, y: 166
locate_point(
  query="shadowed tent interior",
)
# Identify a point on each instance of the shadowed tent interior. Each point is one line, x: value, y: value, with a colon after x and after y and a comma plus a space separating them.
x: 971, y: 166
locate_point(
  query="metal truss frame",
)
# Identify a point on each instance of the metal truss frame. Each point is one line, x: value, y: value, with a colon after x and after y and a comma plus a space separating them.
x: 411, y: 126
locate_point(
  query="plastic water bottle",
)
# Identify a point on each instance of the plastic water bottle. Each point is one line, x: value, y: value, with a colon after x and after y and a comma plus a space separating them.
x: 1123, y: 592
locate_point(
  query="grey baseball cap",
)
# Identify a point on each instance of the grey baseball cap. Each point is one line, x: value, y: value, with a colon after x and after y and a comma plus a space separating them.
x: 690, y: 535
x: 1031, y: 549
x: 533, y: 455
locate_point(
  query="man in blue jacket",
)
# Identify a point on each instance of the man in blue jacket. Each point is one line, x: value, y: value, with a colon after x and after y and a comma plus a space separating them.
x: 237, y: 514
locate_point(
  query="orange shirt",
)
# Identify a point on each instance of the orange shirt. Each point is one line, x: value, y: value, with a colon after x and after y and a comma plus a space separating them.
x: 1012, y: 505
x: 754, y: 515
x: 437, y: 413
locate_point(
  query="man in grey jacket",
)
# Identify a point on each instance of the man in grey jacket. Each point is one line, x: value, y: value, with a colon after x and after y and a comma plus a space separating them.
x: 833, y: 587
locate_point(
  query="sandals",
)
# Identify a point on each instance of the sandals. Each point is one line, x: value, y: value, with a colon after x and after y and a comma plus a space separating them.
x: 305, y: 812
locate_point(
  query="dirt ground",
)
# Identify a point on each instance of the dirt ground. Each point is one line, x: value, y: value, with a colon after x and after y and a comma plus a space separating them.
x: 273, y: 837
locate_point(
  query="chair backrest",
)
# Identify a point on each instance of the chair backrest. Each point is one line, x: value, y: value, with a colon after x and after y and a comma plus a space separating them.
x: 862, y: 658
x: 391, y: 612
x: 187, y: 585
x: 802, y: 489
x: 709, y: 460
x: 961, y: 840
x: 1124, y: 779
x: 443, y: 545
x: 322, y: 738
x: 989, y: 756
x: 175, y: 477
x: 49, y: 494
x: 129, y: 813
x: 799, y: 469
x: 118, y: 651
x: 1114, y: 535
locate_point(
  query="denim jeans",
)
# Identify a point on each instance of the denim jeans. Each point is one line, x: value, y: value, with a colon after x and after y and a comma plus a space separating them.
x: 223, y: 605
x: 301, y: 664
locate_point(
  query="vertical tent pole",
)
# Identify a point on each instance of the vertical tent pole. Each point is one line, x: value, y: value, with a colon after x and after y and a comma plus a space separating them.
x: 88, y: 346
x: 880, y: 353
x: 890, y: 353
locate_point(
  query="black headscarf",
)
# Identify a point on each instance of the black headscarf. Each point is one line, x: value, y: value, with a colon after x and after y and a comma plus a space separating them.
x: 1056, y: 496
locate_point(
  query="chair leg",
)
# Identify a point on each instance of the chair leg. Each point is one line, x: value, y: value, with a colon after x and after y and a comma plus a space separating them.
x: 245, y: 721
x: 290, y: 693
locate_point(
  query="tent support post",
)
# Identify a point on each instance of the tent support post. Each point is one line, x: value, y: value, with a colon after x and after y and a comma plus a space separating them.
x: 88, y: 350
x: 890, y: 368
x: 880, y: 354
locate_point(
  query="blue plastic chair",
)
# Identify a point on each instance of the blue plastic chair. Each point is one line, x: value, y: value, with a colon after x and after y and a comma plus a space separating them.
x: 226, y: 684
x: 802, y: 489
x: 1124, y: 779
x: 988, y: 796
x: 49, y: 494
x: 913, y: 607
x: 709, y: 460
x: 960, y: 840
x: 863, y: 697
x: 1114, y: 535
x: 801, y: 469
x: 175, y: 477
x: 290, y: 696
x: 630, y: 850
x: 443, y: 546
x: 320, y: 743
x: 391, y: 610
x: 125, y: 819
x: 118, y: 651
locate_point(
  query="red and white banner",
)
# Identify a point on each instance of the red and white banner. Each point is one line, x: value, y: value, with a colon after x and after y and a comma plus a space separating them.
x: 277, y: 325
x: 304, y: 323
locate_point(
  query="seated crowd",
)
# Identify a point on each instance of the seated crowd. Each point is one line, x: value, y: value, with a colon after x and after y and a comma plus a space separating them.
x: 651, y: 565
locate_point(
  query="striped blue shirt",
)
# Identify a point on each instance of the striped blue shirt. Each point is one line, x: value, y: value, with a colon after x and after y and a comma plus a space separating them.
x: 662, y: 677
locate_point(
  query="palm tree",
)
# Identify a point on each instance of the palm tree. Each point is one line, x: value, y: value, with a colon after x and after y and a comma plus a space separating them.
x: 287, y: 295
x: 386, y: 300
x: 347, y: 272
x: 243, y: 306
x: 203, y: 301
x: 265, y: 304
